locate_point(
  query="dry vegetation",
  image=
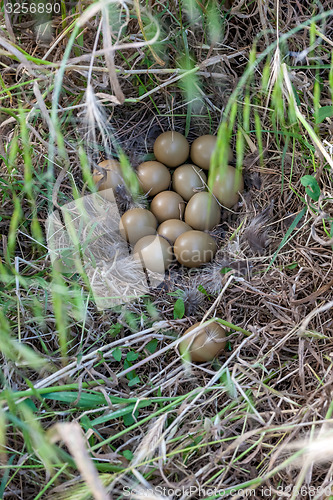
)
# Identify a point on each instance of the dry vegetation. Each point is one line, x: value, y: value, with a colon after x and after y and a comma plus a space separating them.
x: 96, y: 402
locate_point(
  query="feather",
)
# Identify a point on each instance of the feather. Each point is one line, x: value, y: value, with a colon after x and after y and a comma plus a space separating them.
x: 256, y: 234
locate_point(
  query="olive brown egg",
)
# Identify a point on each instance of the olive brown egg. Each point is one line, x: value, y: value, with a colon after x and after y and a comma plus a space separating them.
x: 154, y: 177
x: 205, y: 344
x: 154, y: 252
x: 227, y: 183
x: 167, y: 205
x: 194, y: 248
x: 187, y: 179
x: 113, y: 176
x: 137, y: 223
x: 202, y: 212
x: 171, y: 148
x: 172, y: 228
x: 202, y: 149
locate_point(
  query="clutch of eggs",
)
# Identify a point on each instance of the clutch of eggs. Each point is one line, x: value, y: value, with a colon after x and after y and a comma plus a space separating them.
x: 181, y: 209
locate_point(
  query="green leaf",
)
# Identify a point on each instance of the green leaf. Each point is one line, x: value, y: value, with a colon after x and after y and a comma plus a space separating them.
x: 296, y: 95
x: 179, y: 309
x: 292, y: 266
x: 132, y: 356
x: 17, y: 351
x: 323, y: 113
x: 115, y: 329
x: 152, y: 346
x: 122, y: 412
x: 203, y: 290
x: 225, y: 270
x: 111, y: 416
x: 134, y: 381
x: 30, y: 404
x: 129, y: 420
x: 311, y: 187
x: 5, y: 476
x: 228, y: 383
x: 86, y: 400
x: 130, y: 375
x: 85, y: 422
x: 286, y: 238
x: 116, y: 354
x: 128, y: 454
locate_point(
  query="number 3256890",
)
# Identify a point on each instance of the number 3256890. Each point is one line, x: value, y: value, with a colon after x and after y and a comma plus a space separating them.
x: 32, y: 8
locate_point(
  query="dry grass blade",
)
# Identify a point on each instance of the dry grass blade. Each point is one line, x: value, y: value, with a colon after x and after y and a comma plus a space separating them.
x: 109, y: 56
x: 312, y: 314
x: 152, y: 440
x: 8, y: 22
x: 13, y: 51
x: 317, y: 143
x: 318, y: 448
x: 138, y: 13
x: 71, y: 434
x: 42, y: 106
x: 276, y: 61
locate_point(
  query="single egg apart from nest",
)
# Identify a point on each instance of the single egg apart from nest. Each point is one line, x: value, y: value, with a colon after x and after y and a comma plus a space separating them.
x: 167, y: 205
x: 204, y: 345
x: 202, y: 212
x: 112, y: 180
x: 171, y: 148
x: 154, y: 252
x: 154, y: 177
x: 187, y: 179
x: 172, y: 228
x: 226, y: 186
x: 137, y: 223
x: 202, y: 149
x: 194, y: 248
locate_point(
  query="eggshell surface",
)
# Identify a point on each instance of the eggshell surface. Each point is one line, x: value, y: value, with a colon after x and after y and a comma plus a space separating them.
x: 113, y: 175
x: 172, y: 228
x: 206, y: 344
x: 167, y: 205
x: 202, y: 149
x: 154, y: 177
x: 154, y: 252
x: 227, y: 184
x: 202, y: 212
x: 171, y: 148
x: 187, y: 179
x: 137, y: 223
x: 194, y: 248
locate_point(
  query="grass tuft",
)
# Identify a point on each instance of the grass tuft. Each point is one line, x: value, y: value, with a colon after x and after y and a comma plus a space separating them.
x: 96, y: 402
